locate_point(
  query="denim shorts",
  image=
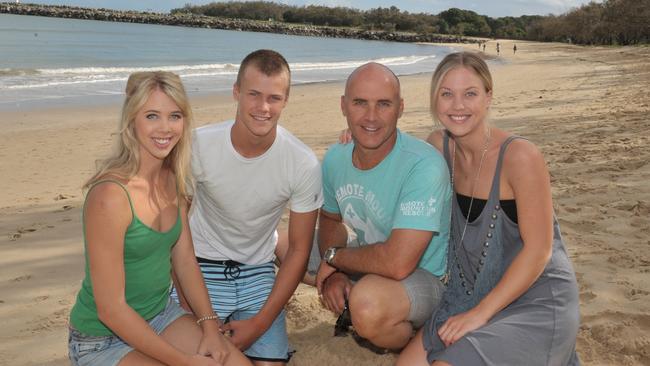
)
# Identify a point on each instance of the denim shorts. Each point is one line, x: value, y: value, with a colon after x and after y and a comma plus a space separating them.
x: 86, y: 350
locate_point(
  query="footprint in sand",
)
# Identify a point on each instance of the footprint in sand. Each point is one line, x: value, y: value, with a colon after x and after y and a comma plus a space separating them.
x: 53, y: 322
x: 64, y: 302
x: 623, y: 260
x: 61, y: 196
x: 67, y: 207
x: 572, y: 209
x: 631, y: 341
x: 634, y: 294
x: 19, y: 233
x: 587, y: 297
x: 21, y: 278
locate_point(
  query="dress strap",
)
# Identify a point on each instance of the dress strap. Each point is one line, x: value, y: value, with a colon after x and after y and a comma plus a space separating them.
x: 496, y: 182
x: 128, y: 196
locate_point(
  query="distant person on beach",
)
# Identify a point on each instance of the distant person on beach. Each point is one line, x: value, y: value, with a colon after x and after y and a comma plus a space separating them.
x: 247, y: 170
x: 498, y: 48
x: 514, y: 49
x: 135, y: 233
x: 393, y: 191
x: 512, y: 296
x: 484, y: 46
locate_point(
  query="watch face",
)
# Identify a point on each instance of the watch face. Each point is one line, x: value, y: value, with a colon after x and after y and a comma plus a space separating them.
x: 329, y: 254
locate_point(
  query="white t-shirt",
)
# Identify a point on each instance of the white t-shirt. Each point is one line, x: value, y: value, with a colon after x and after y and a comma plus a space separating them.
x: 238, y: 201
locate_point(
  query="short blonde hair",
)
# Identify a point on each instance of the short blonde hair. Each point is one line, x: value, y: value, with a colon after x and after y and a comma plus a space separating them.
x: 268, y: 62
x: 470, y: 60
x: 124, y: 162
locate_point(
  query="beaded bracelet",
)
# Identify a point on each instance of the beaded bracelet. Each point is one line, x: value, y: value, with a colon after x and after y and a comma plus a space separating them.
x: 208, y: 317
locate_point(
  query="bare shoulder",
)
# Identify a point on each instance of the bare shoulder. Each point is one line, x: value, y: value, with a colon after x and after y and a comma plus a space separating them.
x: 436, y: 139
x: 524, y: 162
x: 521, y: 153
x: 107, y: 198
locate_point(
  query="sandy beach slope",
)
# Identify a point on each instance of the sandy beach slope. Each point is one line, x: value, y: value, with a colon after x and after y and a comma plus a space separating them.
x: 587, y: 108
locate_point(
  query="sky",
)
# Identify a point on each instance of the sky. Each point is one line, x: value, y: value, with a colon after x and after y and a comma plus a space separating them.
x: 493, y: 8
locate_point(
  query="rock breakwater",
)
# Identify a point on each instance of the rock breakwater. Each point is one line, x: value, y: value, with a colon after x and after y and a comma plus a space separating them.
x: 199, y: 21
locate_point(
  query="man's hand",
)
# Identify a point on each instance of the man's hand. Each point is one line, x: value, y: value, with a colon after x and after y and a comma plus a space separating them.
x: 243, y: 333
x: 336, y: 288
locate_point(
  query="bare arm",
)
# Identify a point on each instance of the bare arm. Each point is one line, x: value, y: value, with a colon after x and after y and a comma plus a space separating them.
x: 193, y: 291
x: 395, y: 258
x: 179, y: 293
x: 106, y: 218
x: 333, y: 286
x: 331, y: 231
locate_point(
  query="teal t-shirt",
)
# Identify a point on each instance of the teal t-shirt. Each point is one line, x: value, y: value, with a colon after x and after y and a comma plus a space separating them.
x: 409, y: 189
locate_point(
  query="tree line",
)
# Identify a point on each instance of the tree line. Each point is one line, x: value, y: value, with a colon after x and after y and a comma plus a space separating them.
x: 622, y: 22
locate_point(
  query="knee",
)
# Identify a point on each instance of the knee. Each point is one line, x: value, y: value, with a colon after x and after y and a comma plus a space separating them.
x: 368, y: 314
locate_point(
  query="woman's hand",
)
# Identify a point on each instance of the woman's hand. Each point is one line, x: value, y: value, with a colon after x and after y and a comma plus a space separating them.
x: 214, y: 346
x: 458, y: 325
x: 345, y: 137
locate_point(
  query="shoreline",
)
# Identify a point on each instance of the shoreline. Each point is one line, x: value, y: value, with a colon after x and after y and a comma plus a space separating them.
x: 115, y: 101
x: 586, y: 109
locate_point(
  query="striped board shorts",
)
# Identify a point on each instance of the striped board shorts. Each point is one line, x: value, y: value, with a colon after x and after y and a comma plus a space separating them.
x: 237, y: 292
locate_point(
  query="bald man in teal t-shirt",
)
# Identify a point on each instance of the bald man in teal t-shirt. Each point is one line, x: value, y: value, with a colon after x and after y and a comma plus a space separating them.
x: 393, y: 191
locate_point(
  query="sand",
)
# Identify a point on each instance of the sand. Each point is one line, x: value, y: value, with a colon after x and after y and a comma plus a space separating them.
x: 587, y: 109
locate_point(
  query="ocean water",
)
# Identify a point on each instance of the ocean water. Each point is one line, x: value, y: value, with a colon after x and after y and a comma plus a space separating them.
x: 53, y: 61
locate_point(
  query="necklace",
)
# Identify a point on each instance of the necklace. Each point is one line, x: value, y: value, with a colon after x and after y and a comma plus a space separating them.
x: 486, y: 145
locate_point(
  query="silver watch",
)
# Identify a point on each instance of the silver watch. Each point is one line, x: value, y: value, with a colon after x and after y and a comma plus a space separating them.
x: 329, y: 255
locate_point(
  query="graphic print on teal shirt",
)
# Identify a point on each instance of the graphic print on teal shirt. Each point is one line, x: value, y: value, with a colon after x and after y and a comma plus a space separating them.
x: 409, y: 189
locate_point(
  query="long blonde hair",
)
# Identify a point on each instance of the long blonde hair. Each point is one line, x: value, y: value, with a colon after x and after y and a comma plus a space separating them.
x: 470, y: 60
x: 124, y: 162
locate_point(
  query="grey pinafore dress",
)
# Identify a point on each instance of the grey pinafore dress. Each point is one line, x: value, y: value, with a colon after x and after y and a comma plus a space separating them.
x: 539, y: 328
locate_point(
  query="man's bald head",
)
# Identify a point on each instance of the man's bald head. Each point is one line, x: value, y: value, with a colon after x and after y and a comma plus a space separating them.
x: 373, y: 70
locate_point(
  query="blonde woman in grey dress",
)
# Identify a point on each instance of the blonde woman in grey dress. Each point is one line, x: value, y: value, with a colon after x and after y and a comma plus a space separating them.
x: 512, y: 296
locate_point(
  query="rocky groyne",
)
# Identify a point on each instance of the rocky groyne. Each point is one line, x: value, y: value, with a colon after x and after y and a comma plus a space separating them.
x: 198, y: 21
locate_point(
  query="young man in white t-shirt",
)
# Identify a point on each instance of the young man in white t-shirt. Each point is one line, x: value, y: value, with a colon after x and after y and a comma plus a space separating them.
x: 246, y: 172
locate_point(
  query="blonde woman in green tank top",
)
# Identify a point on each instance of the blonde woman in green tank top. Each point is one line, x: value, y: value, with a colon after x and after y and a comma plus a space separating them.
x: 135, y: 234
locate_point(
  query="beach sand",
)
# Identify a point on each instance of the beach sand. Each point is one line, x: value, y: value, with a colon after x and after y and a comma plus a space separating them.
x: 586, y: 108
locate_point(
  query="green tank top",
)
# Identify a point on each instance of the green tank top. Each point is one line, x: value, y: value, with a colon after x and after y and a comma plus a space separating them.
x: 147, y: 270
